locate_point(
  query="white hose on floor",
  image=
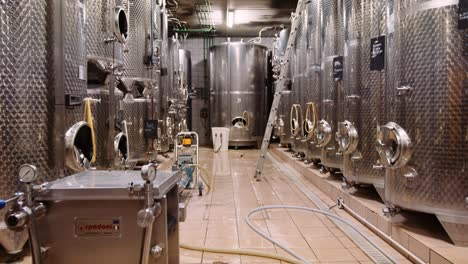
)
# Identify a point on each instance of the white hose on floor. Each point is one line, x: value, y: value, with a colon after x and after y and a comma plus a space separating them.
x: 242, y: 252
x: 302, y: 208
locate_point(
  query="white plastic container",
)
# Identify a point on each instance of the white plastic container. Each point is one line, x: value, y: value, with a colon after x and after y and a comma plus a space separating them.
x: 220, y: 137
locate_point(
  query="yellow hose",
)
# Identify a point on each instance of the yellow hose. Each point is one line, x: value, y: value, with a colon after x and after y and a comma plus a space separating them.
x: 294, y: 110
x: 247, y: 120
x: 88, y: 117
x: 311, y: 106
x: 243, y: 252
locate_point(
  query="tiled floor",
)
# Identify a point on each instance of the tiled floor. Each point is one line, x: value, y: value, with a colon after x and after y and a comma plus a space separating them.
x: 217, y: 219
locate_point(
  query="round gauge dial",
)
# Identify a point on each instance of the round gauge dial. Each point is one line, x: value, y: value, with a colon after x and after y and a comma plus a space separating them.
x: 27, y: 173
x: 148, y: 172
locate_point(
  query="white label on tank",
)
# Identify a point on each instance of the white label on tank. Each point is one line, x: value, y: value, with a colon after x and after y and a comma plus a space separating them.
x: 391, y: 23
x: 81, y: 73
x: 98, y: 227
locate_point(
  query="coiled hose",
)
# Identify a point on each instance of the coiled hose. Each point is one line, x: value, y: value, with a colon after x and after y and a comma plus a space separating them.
x: 246, y: 117
x: 311, y: 106
x: 302, y: 208
x: 88, y: 117
x: 294, y: 119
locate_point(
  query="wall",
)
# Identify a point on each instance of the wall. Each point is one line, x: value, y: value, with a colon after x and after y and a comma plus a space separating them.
x: 200, y: 82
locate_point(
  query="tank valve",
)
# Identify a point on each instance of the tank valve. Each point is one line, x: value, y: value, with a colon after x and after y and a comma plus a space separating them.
x: 403, y: 90
x: 378, y: 167
x: 146, y: 217
x: 156, y: 251
x: 19, y: 218
x: 24, y: 210
x: 390, y: 211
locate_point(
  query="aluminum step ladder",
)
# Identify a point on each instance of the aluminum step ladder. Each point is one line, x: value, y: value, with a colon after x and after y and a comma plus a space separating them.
x: 279, y: 88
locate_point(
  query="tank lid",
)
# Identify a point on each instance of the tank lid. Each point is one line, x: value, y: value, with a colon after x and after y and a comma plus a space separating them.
x: 105, y: 185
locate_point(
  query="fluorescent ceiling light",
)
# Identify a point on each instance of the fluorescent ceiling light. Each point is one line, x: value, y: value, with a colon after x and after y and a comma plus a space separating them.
x: 230, y: 19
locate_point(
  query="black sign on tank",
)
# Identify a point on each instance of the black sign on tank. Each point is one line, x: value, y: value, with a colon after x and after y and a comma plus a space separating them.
x: 338, y: 68
x: 463, y: 14
x: 377, y: 54
x: 150, y: 131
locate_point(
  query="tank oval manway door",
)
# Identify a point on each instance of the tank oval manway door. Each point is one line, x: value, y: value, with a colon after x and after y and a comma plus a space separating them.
x: 121, y: 149
x: 79, y: 147
x: 121, y: 24
x: 393, y: 145
x: 347, y: 137
x: 323, y: 133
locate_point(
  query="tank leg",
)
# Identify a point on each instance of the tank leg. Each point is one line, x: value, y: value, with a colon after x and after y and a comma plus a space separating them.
x: 457, y: 231
x: 381, y: 192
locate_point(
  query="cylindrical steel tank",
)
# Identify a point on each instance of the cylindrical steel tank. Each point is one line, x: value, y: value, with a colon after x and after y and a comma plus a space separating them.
x: 238, y: 90
x: 108, y: 32
x: 424, y: 144
x: 185, y: 88
x: 364, y: 20
x: 313, y: 88
x: 111, y: 152
x: 185, y: 65
x: 43, y: 82
x: 331, y: 109
x: 135, y: 112
x: 299, y: 92
x: 136, y: 58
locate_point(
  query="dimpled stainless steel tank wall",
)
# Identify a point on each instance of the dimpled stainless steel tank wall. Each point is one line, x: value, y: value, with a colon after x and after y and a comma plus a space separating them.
x: 424, y: 142
x: 43, y: 83
x: 299, y: 95
x: 314, y: 99
x: 332, y: 101
x: 364, y: 20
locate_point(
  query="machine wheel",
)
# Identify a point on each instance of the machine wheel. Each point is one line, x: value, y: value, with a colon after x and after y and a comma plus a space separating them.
x: 200, y: 189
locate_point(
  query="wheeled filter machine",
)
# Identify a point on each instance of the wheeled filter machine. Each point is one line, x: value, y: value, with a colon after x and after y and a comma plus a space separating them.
x: 99, y: 216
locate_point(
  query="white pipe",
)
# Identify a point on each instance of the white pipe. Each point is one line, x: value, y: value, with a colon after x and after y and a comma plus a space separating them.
x: 413, y: 258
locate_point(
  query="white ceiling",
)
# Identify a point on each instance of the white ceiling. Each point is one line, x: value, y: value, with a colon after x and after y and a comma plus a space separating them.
x: 249, y: 15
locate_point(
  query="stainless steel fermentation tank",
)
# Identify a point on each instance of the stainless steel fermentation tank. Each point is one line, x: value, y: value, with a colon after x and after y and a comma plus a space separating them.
x: 363, y: 92
x: 123, y: 53
x: 117, y: 155
x: 43, y: 83
x: 299, y: 92
x: 332, y: 99
x: 135, y: 112
x: 184, y: 87
x: 185, y: 66
x: 107, y: 32
x: 313, y: 87
x: 238, y: 91
x: 140, y: 77
x: 170, y: 95
x: 424, y: 141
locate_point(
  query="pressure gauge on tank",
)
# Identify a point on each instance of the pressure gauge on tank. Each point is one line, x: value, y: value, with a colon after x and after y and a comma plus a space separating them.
x: 148, y: 172
x: 27, y: 173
